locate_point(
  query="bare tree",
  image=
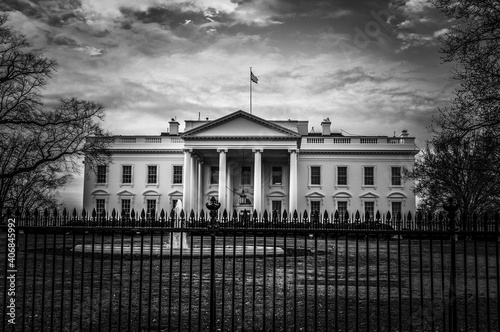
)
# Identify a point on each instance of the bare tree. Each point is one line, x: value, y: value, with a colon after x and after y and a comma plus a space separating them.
x: 456, y: 166
x: 473, y: 44
x: 35, y: 142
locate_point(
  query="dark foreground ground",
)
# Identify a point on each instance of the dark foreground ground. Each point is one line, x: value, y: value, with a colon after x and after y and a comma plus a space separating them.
x: 317, y: 283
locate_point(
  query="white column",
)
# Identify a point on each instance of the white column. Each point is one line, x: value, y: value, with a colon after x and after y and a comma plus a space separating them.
x: 222, y: 179
x: 229, y: 191
x: 193, y: 199
x: 200, y: 186
x: 257, y: 181
x: 186, y: 172
x: 293, y: 180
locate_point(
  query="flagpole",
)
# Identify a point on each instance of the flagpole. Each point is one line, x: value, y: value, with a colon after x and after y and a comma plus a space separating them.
x: 250, y: 90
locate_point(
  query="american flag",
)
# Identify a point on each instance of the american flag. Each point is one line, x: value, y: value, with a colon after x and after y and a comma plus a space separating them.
x: 254, y: 78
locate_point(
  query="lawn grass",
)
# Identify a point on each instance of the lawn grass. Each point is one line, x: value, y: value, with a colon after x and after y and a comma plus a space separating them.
x: 319, y: 283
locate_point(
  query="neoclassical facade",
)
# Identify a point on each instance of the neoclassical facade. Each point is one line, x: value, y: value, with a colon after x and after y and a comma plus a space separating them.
x: 250, y: 163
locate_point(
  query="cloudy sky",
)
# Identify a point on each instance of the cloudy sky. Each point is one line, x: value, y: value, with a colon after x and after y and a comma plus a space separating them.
x: 372, y: 67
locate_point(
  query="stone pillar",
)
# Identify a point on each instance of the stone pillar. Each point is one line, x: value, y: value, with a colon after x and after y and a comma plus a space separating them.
x: 229, y: 191
x: 201, y: 194
x: 293, y: 181
x: 222, y: 179
x: 193, y: 199
x: 186, y: 183
x: 257, y: 181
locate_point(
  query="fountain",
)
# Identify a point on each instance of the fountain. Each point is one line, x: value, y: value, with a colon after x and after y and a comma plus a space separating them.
x: 178, y: 239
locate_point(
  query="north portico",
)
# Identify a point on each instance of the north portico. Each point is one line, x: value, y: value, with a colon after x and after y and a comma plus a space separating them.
x: 254, y: 162
x: 250, y: 163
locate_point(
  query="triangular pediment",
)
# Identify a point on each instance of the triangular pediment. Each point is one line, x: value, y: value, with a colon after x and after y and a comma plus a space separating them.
x: 369, y: 194
x: 125, y: 192
x: 315, y: 194
x: 240, y: 124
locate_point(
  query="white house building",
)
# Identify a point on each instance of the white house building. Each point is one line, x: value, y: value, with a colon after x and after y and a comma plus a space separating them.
x: 248, y: 163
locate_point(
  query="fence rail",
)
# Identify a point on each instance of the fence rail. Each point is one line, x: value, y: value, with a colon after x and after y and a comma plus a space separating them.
x: 247, y: 219
x: 280, y: 273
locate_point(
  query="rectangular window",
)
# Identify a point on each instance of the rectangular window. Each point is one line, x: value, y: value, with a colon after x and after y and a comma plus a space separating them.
x: 277, y: 175
x: 342, y: 176
x: 315, y: 175
x: 315, y: 209
x: 342, y: 208
x: 246, y: 175
x: 369, y: 178
x: 369, y: 210
x: 126, y: 174
x: 214, y: 175
x: 396, y: 176
x: 101, y: 174
x: 396, y: 209
x: 152, y: 174
x: 276, y: 206
x: 100, y: 207
x: 177, y: 179
x: 151, y: 207
x: 126, y: 208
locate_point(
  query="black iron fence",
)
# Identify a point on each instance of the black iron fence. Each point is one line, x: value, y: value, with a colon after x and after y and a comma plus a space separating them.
x: 248, y: 219
x: 79, y: 272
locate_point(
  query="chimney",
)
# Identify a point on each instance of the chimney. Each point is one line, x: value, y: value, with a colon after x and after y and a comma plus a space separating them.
x: 403, y: 135
x: 174, y: 127
x: 326, y: 127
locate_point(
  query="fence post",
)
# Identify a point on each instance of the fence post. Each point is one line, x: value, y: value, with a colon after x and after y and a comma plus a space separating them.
x: 451, y: 208
x: 213, y: 206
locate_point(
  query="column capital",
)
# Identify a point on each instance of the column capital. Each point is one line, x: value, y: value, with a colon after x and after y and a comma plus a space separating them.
x: 222, y: 150
x: 257, y: 150
x: 293, y: 150
x: 187, y: 150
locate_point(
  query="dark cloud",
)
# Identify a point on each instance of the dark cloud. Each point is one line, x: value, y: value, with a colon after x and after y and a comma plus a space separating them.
x: 64, y: 40
x: 173, y: 16
x: 54, y: 13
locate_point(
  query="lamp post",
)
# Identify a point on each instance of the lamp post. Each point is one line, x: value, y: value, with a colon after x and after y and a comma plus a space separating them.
x: 213, y: 206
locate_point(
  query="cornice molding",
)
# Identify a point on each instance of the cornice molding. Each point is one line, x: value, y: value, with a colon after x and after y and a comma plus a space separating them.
x: 147, y: 151
x: 241, y: 138
x: 391, y: 152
